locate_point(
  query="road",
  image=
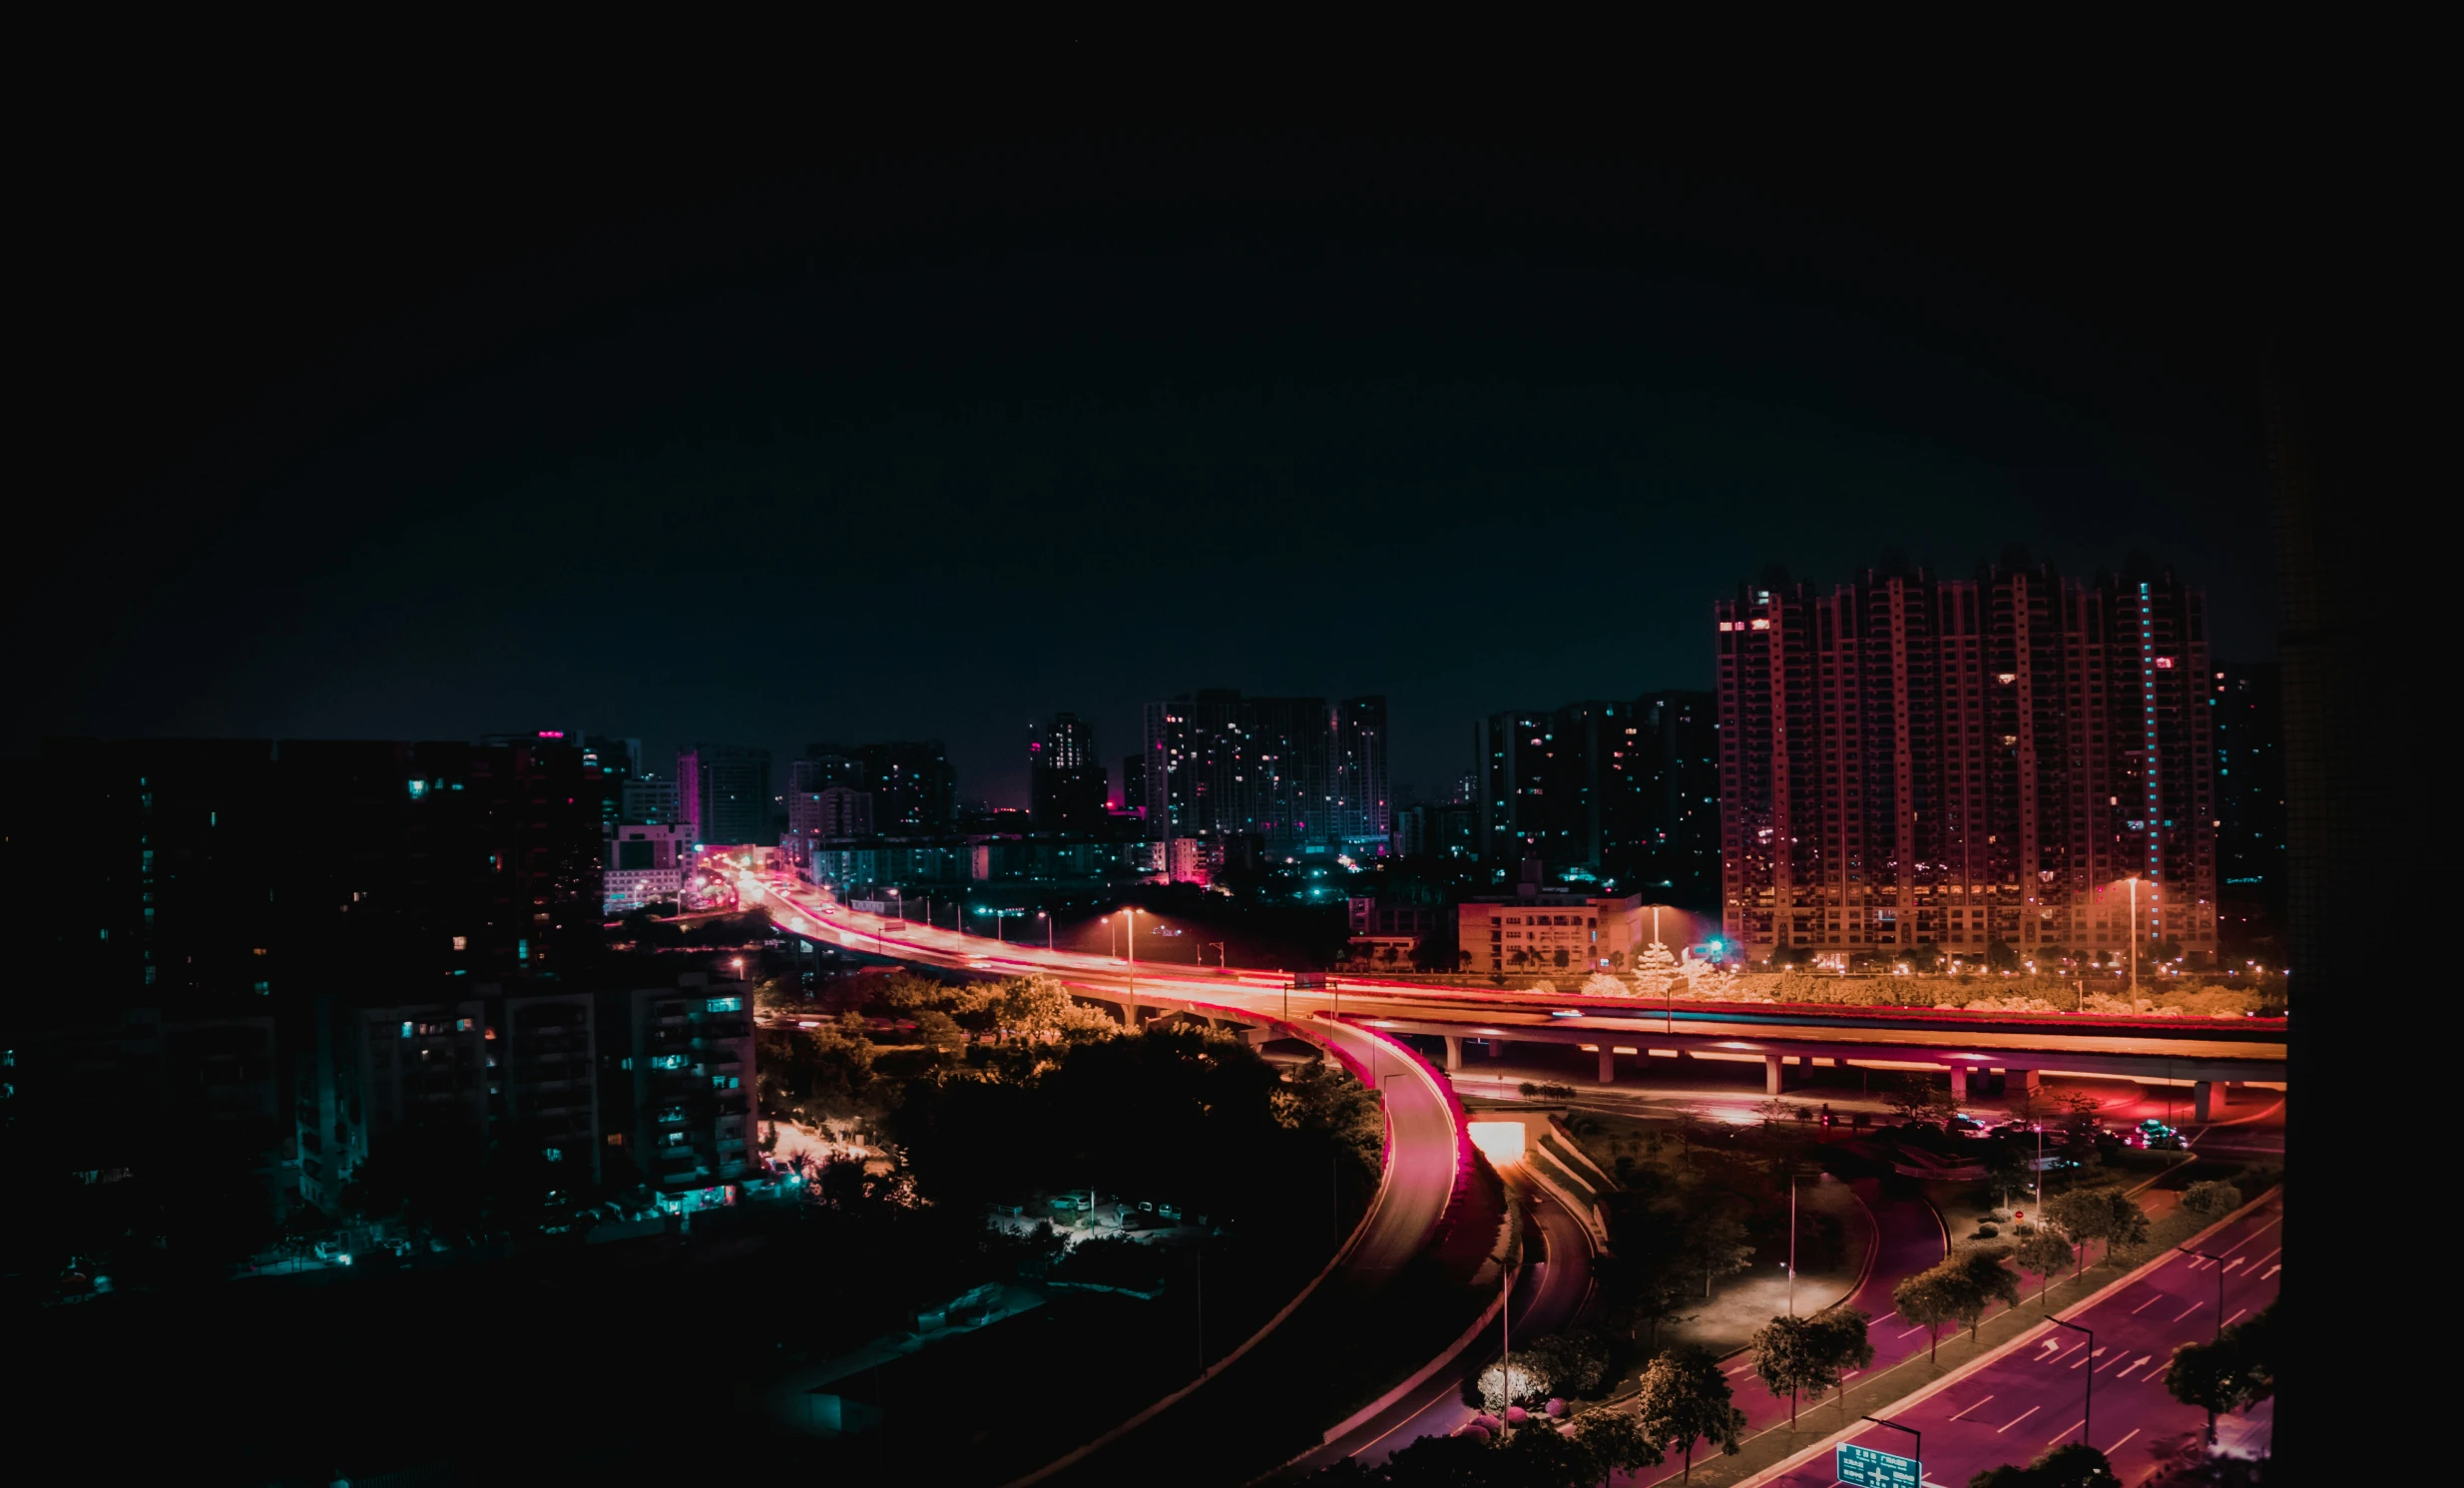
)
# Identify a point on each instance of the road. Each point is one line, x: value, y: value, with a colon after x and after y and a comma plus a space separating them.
x: 2036, y: 1397
x: 1422, y: 1136
x: 1549, y: 1297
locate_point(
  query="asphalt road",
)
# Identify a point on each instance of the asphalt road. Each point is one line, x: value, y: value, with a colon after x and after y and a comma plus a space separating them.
x: 2036, y: 1397
x: 1549, y: 1297
x: 1422, y: 1148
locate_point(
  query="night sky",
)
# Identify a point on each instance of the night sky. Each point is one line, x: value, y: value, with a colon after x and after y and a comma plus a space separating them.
x: 926, y: 433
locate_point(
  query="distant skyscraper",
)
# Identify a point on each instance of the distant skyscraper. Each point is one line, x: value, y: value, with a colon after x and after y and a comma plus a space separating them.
x: 1610, y: 791
x: 649, y: 800
x: 1067, y: 790
x: 1134, y: 783
x: 723, y: 792
x: 1297, y: 774
x: 1908, y: 760
x: 913, y: 787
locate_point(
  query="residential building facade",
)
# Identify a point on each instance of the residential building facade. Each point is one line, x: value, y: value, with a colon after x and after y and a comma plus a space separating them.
x: 2017, y: 760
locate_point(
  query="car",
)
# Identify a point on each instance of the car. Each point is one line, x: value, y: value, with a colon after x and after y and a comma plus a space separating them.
x: 1566, y: 1012
x: 1962, y: 1126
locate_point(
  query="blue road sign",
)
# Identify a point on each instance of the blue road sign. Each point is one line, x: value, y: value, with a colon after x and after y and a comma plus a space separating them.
x: 1863, y: 1467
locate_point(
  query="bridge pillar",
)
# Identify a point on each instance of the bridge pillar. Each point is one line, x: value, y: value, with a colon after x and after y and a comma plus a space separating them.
x: 2015, y: 1081
x: 1775, y: 1075
x: 1497, y: 1048
x: 2207, y: 1099
x: 1454, y: 1052
x: 1960, y: 1084
x: 1608, y: 1064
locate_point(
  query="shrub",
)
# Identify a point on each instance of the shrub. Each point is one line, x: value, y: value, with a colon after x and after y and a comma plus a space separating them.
x: 2211, y: 1198
x: 1986, y: 1231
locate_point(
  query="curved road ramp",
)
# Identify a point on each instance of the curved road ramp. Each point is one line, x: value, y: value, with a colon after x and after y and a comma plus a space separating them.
x: 1397, y: 1295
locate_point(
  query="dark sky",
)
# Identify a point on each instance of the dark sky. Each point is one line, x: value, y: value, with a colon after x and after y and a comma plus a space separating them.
x: 398, y: 432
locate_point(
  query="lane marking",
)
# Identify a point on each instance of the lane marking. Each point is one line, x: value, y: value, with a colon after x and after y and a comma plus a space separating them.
x: 2085, y: 1357
x: 2135, y: 1364
x: 1966, y: 1409
x: 2066, y: 1353
x: 2067, y: 1430
x: 1912, y: 1332
x: 2015, y: 1420
x: 2229, y: 1321
x: 2117, y: 1446
x: 2256, y: 1234
x: 2149, y: 1302
x: 2186, y: 1312
x: 2270, y: 1272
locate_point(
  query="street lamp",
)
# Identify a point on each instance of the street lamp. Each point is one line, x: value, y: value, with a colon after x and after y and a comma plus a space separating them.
x: 2086, y: 1413
x: 2219, y: 1261
x: 1913, y: 1431
x: 2134, y: 935
x: 1047, y: 919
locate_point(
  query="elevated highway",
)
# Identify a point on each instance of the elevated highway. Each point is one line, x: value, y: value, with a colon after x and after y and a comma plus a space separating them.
x: 2213, y: 1054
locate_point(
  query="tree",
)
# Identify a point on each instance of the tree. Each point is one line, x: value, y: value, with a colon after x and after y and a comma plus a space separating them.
x: 2076, y: 1465
x: 2211, y: 1198
x: 1601, y: 984
x: 1040, y: 1009
x: 1511, y: 1381
x: 1613, y: 1442
x: 1683, y: 1399
x: 2234, y: 1372
x: 1845, y: 1344
x: 1982, y: 1280
x: 1715, y: 1245
x: 2041, y: 1253
x: 2082, y: 1214
x: 940, y: 1033
x: 1915, y: 1097
x: 1791, y: 1355
x: 1928, y: 1300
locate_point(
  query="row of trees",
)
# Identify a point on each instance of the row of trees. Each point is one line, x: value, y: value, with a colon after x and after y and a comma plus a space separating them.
x: 1963, y: 1287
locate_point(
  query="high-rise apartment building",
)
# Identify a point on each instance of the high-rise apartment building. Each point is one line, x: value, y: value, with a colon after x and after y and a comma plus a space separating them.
x: 215, y: 868
x: 649, y: 800
x: 1622, y: 792
x: 723, y: 792
x: 2016, y: 759
x: 2250, y: 842
x: 831, y: 812
x: 1067, y: 789
x: 1298, y: 774
x: 914, y: 790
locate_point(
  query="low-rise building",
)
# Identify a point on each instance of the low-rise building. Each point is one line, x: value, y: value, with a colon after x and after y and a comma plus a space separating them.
x: 646, y: 865
x: 1554, y: 930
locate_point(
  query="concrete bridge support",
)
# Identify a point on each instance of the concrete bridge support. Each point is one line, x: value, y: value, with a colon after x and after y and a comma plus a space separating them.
x: 1497, y: 1048
x: 1775, y: 1075
x: 1607, y: 1065
x: 1959, y: 1085
x: 2015, y: 1081
x: 2207, y: 1100
x: 1454, y: 1052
